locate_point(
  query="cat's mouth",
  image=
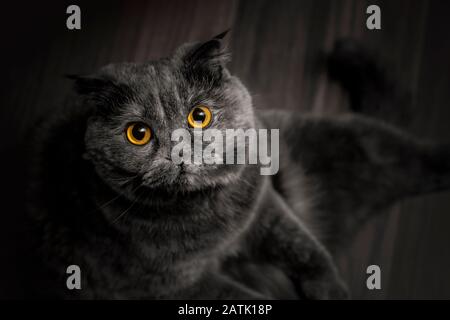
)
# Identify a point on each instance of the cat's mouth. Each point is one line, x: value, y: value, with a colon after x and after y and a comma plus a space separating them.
x: 187, y: 177
x: 172, y: 176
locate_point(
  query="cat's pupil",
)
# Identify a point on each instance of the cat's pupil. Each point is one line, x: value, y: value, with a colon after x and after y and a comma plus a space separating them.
x: 198, y: 115
x: 139, y: 131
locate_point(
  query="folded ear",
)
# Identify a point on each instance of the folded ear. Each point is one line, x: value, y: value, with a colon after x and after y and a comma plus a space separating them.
x: 101, y: 91
x: 209, y: 56
x: 87, y: 84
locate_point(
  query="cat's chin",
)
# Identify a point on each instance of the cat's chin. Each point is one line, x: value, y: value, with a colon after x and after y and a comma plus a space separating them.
x: 170, y: 194
x: 185, y: 183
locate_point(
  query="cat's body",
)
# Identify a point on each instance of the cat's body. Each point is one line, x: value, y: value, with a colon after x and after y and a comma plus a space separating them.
x: 138, y: 226
x: 155, y: 250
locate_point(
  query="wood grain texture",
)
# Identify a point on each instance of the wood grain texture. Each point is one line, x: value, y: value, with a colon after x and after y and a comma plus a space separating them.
x: 278, y: 49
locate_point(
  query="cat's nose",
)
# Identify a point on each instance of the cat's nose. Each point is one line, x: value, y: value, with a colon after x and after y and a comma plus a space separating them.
x: 181, y: 164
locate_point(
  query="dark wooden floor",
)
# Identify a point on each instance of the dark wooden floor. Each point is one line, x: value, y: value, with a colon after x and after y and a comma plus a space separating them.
x: 277, y: 48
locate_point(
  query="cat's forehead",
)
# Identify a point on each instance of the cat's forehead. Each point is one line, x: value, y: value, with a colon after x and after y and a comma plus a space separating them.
x: 148, y: 79
x: 160, y: 82
x: 157, y: 90
x: 159, y: 73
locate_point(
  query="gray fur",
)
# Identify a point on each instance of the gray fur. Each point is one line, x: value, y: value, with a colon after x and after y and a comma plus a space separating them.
x: 140, y: 229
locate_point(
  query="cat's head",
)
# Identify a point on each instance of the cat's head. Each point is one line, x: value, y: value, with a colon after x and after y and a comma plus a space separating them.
x: 136, y: 107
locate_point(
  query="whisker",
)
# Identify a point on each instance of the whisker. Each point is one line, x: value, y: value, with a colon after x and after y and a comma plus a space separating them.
x: 118, y: 196
x: 128, y: 209
x: 123, y: 179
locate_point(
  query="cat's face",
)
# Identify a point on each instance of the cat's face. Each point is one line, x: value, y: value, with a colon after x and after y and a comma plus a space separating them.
x: 138, y: 106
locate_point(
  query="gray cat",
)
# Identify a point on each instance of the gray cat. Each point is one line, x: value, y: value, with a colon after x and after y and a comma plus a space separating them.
x: 108, y: 198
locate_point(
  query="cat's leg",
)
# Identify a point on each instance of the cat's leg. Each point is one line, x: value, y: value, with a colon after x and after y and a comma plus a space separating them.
x: 214, y: 285
x: 287, y: 244
x: 359, y: 166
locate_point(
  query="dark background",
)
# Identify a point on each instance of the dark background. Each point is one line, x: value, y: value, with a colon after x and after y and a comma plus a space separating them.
x: 277, y: 48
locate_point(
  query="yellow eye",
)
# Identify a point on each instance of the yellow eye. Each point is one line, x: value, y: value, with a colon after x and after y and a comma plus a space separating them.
x: 199, y: 117
x: 138, y: 133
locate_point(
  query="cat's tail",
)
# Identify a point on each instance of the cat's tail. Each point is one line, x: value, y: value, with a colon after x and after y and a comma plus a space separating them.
x: 369, y: 87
